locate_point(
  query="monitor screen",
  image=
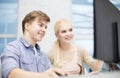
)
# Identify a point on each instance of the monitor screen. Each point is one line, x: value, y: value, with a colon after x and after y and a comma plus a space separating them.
x: 106, y: 31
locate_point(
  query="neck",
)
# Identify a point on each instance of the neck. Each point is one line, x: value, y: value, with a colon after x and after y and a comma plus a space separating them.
x: 66, y: 47
x: 29, y: 39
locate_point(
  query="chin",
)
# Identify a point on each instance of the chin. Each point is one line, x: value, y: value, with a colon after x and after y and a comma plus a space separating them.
x: 68, y: 42
x: 39, y: 39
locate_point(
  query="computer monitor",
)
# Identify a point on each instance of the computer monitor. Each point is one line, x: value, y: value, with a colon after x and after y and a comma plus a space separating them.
x: 106, y: 31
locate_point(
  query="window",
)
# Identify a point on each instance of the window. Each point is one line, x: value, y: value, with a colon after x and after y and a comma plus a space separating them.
x: 8, y: 22
x: 116, y: 3
x: 82, y: 14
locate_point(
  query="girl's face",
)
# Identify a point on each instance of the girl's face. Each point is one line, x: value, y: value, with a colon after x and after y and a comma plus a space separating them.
x: 65, y: 33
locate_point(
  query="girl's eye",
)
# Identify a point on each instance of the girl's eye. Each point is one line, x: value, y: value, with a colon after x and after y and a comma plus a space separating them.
x: 71, y: 29
x: 63, y: 31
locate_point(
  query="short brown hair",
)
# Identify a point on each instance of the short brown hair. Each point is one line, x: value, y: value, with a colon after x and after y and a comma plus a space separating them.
x: 29, y: 18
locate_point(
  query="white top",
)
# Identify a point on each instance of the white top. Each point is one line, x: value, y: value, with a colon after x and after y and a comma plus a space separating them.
x: 35, y: 50
x: 72, y: 67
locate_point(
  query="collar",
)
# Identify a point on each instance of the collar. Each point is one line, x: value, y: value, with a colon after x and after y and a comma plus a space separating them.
x: 27, y: 44
x: 24, y: 42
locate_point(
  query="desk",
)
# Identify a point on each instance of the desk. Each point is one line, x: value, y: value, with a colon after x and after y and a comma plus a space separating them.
x: 115, y: 74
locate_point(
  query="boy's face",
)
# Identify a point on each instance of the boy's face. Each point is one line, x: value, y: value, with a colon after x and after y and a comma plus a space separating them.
x: 37, y: 29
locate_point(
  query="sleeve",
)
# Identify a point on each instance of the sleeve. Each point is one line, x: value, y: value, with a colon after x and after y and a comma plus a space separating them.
x: 94, y: 64
x: 9, y: 60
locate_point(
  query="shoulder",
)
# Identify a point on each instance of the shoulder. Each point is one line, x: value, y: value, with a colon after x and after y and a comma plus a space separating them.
x: 43, y: 53
x: 12, y: 47
x: 82, y: 52
x: 50, y: 54
x: 12, y: 44
x: 81, y: 49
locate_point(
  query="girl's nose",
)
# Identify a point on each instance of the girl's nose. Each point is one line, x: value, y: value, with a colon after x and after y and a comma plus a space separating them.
x: 68, y: 33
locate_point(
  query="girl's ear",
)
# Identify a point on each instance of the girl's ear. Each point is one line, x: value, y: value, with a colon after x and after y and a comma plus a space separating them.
x: 56, y: 34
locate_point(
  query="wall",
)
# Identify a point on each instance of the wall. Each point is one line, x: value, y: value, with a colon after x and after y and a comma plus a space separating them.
x: 54, y: 8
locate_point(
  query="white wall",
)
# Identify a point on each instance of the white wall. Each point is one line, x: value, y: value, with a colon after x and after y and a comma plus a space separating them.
x: 54, y: 8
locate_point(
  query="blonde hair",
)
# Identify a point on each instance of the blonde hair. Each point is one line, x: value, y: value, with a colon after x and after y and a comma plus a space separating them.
x: 57, y: 60
x: 59, y: 23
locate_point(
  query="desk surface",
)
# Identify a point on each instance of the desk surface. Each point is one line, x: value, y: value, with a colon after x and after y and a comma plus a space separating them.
x: 115, y: 74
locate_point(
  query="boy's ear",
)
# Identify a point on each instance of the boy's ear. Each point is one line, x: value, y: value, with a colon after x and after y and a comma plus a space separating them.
x: 26, y: 26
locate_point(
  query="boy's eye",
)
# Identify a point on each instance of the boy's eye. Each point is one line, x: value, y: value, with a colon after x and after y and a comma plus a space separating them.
x: 39, y: 24
x: 45, y: 27
x: 42, y: 25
